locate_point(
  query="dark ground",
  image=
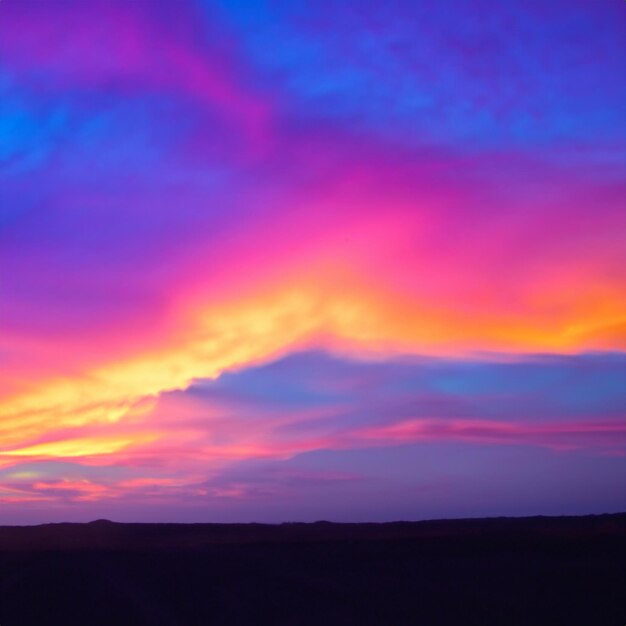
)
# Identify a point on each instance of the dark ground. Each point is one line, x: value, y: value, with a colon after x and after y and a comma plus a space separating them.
x: 528, y: 571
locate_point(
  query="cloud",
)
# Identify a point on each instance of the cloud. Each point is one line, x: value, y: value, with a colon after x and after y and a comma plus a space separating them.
x: 197, y: 202
x: 234, y: 436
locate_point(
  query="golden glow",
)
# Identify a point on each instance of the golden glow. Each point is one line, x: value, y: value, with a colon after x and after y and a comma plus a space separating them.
x: 79, y: 446
x: 257, y: 328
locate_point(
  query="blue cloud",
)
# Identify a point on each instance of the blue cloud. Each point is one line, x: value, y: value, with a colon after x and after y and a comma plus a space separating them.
x: 528, y: 388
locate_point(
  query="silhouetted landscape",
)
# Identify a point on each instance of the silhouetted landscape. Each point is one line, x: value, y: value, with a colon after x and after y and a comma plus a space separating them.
x: 513, y: 571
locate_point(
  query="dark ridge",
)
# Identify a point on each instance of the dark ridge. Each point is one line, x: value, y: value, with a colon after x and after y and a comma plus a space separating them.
x: 558, y: 571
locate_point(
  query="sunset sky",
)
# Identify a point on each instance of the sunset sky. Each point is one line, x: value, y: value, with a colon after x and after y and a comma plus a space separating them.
x: 266, y: 260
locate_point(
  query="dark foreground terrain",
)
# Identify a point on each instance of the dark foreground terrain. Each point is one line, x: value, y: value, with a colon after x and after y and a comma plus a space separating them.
x: 529, y: 571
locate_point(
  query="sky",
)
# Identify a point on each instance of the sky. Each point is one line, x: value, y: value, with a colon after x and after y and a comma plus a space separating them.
x: 270, y: 261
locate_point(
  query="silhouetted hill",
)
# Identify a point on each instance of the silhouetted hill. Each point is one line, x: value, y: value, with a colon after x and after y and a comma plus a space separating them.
x: 509, y: 571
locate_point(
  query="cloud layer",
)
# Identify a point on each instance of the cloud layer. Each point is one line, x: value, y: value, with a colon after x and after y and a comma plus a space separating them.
x: 433, y: 195
x: 248, y: 436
